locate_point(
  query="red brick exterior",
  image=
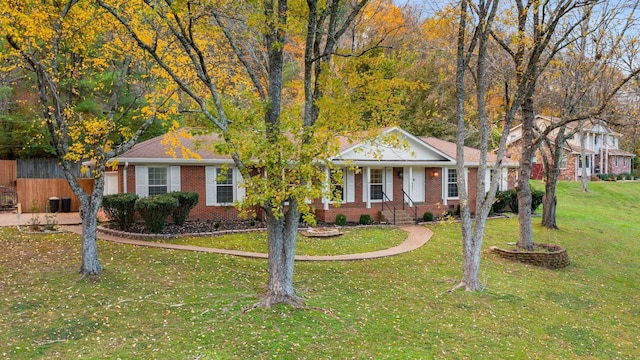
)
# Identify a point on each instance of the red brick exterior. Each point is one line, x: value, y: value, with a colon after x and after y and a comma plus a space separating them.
x: 192, y: 178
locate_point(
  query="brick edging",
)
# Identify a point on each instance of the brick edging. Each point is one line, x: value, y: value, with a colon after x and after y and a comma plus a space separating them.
x: 556, y: 258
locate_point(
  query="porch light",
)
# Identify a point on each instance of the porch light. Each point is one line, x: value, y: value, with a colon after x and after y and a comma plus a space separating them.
x: 400, y: 174
x: 435, y: 173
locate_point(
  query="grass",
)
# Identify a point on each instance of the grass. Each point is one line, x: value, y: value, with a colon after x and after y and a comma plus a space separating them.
x: 181, y: 305
x: 353, y: 241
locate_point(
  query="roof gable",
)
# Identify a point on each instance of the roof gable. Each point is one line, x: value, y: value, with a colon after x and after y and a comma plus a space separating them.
x: 393, y: 145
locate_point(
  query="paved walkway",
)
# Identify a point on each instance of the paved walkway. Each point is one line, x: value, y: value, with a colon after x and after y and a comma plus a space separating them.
x: 14, y: 219
x: 417, y: 237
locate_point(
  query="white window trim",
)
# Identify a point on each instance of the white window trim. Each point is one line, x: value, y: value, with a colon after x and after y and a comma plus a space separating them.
x: 445, y: 182
x: 142, y: 179
x: 344, y: 187
x: 446, y: 185
x: 211, y: 184
x: 369, y: 183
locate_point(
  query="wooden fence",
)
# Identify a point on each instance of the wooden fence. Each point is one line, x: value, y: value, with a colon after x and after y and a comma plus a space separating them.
x: 46, y: 168
x: 8, y: 172
x: 34, y: 194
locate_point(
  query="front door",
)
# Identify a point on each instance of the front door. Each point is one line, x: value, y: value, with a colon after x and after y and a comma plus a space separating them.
x: 413, y: 184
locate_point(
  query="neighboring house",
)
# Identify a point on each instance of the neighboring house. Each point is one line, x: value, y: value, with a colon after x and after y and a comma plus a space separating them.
x: 602, y: 151
x: 419, y: 175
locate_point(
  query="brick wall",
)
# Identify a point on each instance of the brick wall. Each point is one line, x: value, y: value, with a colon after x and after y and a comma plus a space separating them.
x: 192, y: 178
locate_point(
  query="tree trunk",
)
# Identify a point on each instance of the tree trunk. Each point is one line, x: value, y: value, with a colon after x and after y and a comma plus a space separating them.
x: 281, y: 235
x: 523, y: 188
x: 549, y: 203
x: 90, y: 264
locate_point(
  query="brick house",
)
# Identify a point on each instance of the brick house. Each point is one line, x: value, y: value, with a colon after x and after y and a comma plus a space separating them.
x: 419, y: 176
x: 602, y: 151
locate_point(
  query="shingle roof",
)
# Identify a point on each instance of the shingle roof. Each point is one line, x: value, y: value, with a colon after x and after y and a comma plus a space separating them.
x: 158, y: 148
x: 471, y: 155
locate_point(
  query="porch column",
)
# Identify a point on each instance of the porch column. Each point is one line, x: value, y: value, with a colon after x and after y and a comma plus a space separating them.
x: 445, y: 175
x: 366, y: 178
x: 327, y: 189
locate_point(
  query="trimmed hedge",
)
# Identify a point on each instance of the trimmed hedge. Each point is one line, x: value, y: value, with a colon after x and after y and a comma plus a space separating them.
x: 187, y: 200
x: 120, y: 208
x: 341, y: 219
x: 509, y: 199
x: 155, y: 210
x: 365, y: 219
x: 427, y: 216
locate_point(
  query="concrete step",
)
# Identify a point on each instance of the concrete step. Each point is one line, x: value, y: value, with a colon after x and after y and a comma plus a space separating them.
x: 402, y: 217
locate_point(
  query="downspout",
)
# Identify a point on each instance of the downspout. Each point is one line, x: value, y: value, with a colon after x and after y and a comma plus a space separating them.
x: 124, y: 177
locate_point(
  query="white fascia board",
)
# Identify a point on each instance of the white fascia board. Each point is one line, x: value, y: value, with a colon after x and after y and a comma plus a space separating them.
x: 374, y: 163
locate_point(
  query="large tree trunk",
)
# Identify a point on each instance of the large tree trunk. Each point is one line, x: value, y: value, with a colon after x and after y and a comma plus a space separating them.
x: 281, y: 234
x: 523, y: 188
x: 90, y: 263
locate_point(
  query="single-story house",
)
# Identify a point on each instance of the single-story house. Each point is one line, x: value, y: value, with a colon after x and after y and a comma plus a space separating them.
x: 602, y: 151
x: 419, y: 175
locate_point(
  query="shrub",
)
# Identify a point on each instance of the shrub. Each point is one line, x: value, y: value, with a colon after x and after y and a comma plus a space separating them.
x: 504, y: 199
x: 155, y: 210
x: 509, y: 198
x: 449, y: 214
x: 120, y: 208
x: 427, y: 216
x: 187, y: 200
x: 536, y: 199
x: 365, y: 219
x: 341, y: 219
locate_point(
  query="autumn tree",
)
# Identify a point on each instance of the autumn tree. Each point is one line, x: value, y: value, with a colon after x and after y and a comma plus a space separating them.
x: 237, y: 64
x: 80, y: 73
x: 579, y: 78
x: 532, y: 39
x: 475, y: 24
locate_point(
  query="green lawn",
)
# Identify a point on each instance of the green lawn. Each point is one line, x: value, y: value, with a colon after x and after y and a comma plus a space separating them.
x: 182, y: 305
x: 352, y: 241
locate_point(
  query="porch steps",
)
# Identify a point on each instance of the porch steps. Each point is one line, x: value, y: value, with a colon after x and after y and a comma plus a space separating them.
x: 402, y: 217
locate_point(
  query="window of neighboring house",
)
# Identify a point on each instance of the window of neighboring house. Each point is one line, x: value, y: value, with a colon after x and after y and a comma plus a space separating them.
x: 157, y: 181
x: 534, y: 159
x: 625, y: 162
x: 337, y: 183
x: 375, y: 184
x: 563, y: 161
x: 224, y: 186
x: 615, y: 157
x: 580, y: 162
x: 452, y: 183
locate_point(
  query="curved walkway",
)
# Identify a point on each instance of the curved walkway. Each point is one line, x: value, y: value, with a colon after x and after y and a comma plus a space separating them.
x: 417, y: 237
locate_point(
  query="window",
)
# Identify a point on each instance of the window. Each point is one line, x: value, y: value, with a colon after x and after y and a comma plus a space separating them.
x: 375, y: 184
x: 616, y: 160
x: 580, y: 162
x: 224, y: 186
x: 337, y: 184
x: 452, y: 183
x: 157, y: 181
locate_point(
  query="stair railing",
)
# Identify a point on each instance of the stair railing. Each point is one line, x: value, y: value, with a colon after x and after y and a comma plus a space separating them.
x: 414, y: 208
x: 390, y: 205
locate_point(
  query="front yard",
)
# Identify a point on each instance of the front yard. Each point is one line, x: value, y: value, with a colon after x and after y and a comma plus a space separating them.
x: 187, y: 305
